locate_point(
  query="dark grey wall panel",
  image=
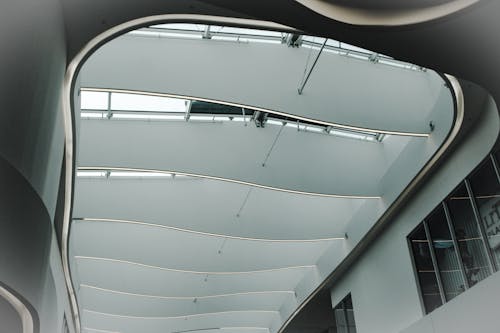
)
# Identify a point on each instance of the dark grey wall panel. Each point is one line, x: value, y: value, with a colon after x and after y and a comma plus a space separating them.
x: 32, y: 65
x: 9, y: 318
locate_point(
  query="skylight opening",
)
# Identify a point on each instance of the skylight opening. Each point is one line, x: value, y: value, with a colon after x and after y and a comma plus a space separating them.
x: 134, y: 116
x: 160, y: 34
x: 91, y: 174
x: 93, y: 115
x: 94, y: 100
x: 248, y: 35
x: 181, y: 26
x: 111, y: 174
x: 142, y: 106
x: 245, y: 31
x: 136, y: 102
x: 274, y: 122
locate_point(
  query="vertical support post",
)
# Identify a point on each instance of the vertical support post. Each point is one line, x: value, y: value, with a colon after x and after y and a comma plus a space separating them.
x: 434, y: 262
x: 455, y: 244
x: 109, y: 114
x: 206, y: 33
x: 188, y: 110
x: 482, y: 231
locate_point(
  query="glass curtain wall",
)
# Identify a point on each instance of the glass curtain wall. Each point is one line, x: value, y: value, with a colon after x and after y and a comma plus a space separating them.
x: 468, y: 236
x: 458, y: 243
x: 426, y: 273
x: 446, y: 254
x: 344, y: 316
x: 486, y: 190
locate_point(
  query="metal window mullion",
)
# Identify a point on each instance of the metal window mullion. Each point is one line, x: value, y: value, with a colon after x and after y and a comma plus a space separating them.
x: 416, y: 275
x: 455, y: 244
x: 495, y: 166
x: 434, y: 262
x: 482, y: 231
x: 109, y: 114
x: 346, y: 320
x: 187, y: 113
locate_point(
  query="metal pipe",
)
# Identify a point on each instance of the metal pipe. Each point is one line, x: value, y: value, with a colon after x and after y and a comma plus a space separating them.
x: 301, y: 88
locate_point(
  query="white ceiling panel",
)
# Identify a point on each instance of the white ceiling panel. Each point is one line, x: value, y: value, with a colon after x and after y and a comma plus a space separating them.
x: 105, y: 301
x: 167, y: 248
x: 214, y: 207
x: 142, y: 280
x: 225, y: 322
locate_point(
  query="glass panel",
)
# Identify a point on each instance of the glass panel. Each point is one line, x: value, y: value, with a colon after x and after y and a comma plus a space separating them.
x: 245, y: 31
x: 344, y: 316
x: 136, y: 102
x: 181, y: 26
x: 425, y: 270
x: 446, y: 255
x: 470, y: 243
x: 93, y: 100
x: 486, y: 190
x: 215, y: 108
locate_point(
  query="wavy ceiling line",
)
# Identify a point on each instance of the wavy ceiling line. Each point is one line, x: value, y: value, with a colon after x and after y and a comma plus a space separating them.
x: 255, y: 108
x: 191, y: 271
x: 229, y: 180
x: 180, y: 317
x: 190, y: 298
x: 140, y: 223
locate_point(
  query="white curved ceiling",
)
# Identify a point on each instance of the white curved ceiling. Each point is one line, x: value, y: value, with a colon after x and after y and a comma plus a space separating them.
x: 298, y: 161
x: 341, y: 89
x: 151, y: 253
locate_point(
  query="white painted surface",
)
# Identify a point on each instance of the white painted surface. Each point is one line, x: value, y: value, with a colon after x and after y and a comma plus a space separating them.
x: 340, y: 90
x: 382, y: 283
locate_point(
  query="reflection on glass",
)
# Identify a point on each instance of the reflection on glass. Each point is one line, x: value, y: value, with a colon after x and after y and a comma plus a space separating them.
x: 425, y: 270
x: 467, y: 233
x: 486, y: 189
x: 446, y: 255
x: 344, y: 316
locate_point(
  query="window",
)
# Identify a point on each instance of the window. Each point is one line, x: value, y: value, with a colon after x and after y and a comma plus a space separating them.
x: 344, y: 316
x: 426, y: 273
x: 458, y: 244
x: 468, y: 236
x: 113, y: 104
x: 486, y: 188
x: 446, y: 254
